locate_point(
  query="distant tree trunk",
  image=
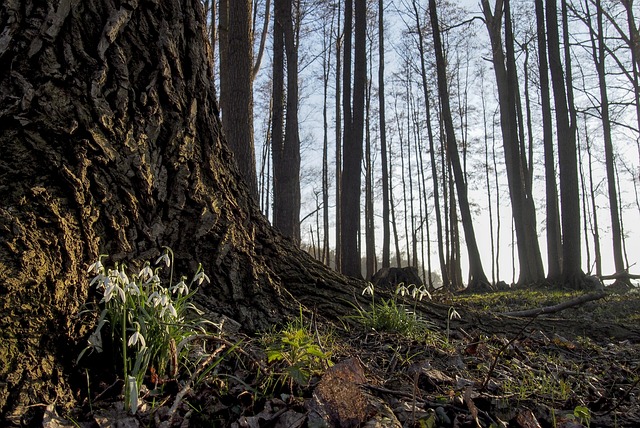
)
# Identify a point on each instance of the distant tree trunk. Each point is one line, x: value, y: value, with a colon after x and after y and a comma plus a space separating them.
x: 394, y: 224
x: 236, y: 86
x: 263, y: 39
x: 477, y: 277
x: 487, y: 169
x: 585, y: 205
x: 403, y: 179
x: 348, y: 237
x: 286, y: 146
x: 339, y: 37
x: 119, y: 152
x: 432, y: 149
x: 566, y: 130
x: 369, y: 223
x: 595, y: 230
x: 523, y: 207
x: 326, y: 63
x: 599, y: 59
x: 386, y: 234
x: 554, y: 237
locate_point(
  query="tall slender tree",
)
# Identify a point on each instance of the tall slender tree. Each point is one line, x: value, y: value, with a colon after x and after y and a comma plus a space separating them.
x: 285, y: 134
x: 566, y: 130
x: 384, y: 163
x: 599, y: 58
x: 523, y: 207
x: 477, y: 277
x: 432, y: 146
x: 353, y: 135
x: 554, y: 236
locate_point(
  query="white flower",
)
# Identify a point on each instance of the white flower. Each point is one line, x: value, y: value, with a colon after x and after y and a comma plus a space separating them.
x: 123, y: 276
x: 453, y: 314
x: 369, y: 290
x: 112, y: 288
x: 420, y: 292
x: 402, y: 290
x: 171, y: 309
x: 97, y: 267
x: 180, y: 288
x: 164, y: 258
x: 146, y: 272
x: 154, y: 299
x: 132, y: 288
x: 153, y: 280
x: 201, y: 276
x: 135, y: 338
x: 100, y: 278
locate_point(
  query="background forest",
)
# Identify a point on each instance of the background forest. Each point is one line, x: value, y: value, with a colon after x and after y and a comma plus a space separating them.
x: 353, y: 139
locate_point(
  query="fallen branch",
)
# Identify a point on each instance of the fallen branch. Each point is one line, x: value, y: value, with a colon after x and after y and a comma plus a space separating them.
x: 557, y: 308
x: 620, y: 275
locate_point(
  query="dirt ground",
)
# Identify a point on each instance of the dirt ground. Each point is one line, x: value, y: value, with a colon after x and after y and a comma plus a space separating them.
x: 579, y: 366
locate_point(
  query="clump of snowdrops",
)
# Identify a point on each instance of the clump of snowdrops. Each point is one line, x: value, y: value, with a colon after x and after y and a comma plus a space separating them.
x: 149, y: 323
x: 391, y: 314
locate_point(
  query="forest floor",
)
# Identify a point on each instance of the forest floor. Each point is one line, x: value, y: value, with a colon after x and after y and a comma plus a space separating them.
x: 579, y: 366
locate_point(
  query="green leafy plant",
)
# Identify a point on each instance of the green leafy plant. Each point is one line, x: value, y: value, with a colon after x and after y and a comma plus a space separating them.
x: 296, y: 353
x: 146, y: 321
x: 390, y: 314
x: 583, y: 414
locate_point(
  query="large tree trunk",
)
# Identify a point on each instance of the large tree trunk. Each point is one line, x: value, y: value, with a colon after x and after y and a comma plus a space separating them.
x: 110, y: 144
x: 236, y: 87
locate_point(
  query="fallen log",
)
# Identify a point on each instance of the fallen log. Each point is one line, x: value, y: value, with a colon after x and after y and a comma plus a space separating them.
x: 557, y: 308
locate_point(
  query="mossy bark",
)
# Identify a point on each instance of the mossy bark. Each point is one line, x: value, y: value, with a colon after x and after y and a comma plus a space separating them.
x: 110, y: 144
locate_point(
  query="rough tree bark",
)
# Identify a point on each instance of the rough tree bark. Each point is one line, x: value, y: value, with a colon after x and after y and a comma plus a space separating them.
x: 110, y: 144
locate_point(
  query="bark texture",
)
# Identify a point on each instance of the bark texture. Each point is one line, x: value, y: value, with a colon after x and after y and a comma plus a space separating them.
x: 110, y: 144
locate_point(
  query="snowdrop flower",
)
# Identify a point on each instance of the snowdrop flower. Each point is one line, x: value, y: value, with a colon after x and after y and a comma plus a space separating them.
x: 154, y: 299
x: 201, y: 276
x: 111, y: 289
x: 368, y: 290
x: 164, y: 258
x: 97, y: 267
x: 453, y: 314
x: 146, y: 272
x: 153, y: 280
x: 100, y: 278
x: 170, y: 309
x: 420, y: 292
x: 132, y: 289
x: 137, y: 337
x: 123, y: 276
x: 402, y: 290
x: 180, y: 288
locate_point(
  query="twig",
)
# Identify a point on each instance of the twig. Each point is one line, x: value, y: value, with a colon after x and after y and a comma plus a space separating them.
x: 180, y: 395
x: 556, y: 308
x: 495, y: 360
x: 624, y: 397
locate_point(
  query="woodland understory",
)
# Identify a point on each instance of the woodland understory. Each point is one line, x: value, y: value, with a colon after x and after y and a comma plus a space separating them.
x: 575, y: 367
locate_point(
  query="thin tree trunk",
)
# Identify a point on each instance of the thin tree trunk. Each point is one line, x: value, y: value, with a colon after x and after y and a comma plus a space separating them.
x: 354, y: 128
x: 597, y: 42
x: 263, y: 38
x: 554, y: 241
x: 523, y: 207
x: 434, y: 165
x: 477, y: 278
x: 339, y: 37
x: 386, y: 238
